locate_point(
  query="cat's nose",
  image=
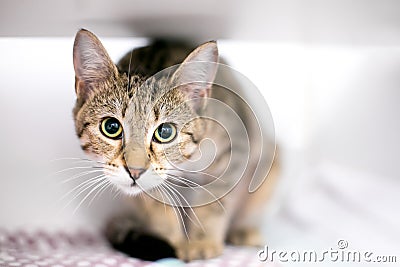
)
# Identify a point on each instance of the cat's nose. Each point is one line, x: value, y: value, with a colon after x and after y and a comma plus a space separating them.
x: 136, y: 172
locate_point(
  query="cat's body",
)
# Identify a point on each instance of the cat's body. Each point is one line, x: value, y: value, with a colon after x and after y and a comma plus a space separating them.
x: 148, y: 135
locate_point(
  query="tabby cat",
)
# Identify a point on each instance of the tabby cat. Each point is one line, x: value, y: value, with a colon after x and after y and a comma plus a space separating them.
x: 177, y: 137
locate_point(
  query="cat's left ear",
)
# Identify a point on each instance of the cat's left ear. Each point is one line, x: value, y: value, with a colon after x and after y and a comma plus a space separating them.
x: 195, y: 75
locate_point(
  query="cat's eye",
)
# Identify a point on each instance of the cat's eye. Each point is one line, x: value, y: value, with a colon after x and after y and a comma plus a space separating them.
x: 111, y: 128
x: 165, y: 133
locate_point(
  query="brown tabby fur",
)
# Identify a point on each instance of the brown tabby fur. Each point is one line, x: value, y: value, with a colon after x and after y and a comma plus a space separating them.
x: 107, y: 90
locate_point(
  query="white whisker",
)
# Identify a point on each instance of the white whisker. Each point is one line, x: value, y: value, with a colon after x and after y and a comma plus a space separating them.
x: 184, y: 172
x: 115, y: 191
x: 78, y: 160
x: 76, y: 168
x: 80, y: 185
x: 176, y: 210
x: 188, y: 183
x: 102, y: 181
x: 81, y: 188
x: 172, y: 176
x: 79, y: 175
x: 100, y: 191
x: 162, y: 196
x: 197, y: 222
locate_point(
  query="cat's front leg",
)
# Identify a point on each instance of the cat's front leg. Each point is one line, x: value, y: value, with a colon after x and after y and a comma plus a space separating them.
x: 205, y: 233
x: 149, y: 225
x: 162, y: 220
x: 204, y: 248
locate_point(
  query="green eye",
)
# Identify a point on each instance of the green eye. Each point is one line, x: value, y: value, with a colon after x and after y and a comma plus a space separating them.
x: 111, y: 128
x: 165, y: 133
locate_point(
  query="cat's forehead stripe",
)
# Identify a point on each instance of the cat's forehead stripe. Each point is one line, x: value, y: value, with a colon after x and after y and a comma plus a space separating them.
x: 83, y: 129
x: 124, y: 111
x: 156, y: 113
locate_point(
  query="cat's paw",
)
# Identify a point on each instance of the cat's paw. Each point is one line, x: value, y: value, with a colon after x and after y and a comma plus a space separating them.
x: 245, y: 237
x: 199, y: 249
x: 118, y: 228
x: 127, y: 235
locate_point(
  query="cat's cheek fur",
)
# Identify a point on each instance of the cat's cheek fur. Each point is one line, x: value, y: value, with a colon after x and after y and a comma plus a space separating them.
x: 120, y: 177
x: 86, y: 146
x: 121, y: 180
x: 89, y: 149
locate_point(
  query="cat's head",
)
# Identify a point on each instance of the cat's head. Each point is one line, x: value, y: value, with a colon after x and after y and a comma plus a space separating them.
x: 139, y: 128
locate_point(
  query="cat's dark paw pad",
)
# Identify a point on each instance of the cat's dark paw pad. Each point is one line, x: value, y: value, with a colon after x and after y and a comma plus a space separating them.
x: 245, y: 237
x: 199, y: 249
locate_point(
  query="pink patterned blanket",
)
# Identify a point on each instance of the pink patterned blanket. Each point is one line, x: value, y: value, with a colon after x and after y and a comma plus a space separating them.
x: 60, y: 249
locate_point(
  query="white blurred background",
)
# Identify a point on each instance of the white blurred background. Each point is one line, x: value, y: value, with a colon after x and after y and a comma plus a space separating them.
x: 329, y: 70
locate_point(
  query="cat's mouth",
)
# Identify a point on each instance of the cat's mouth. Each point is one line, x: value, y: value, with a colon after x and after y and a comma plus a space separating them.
x: 133, y: 183
x: 135, y: 174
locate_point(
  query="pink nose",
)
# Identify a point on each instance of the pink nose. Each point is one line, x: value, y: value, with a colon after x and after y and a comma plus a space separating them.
x: 135, y: 173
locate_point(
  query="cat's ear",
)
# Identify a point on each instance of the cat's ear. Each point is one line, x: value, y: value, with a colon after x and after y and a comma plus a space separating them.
x: 195, y: 75
x: 92, y: 64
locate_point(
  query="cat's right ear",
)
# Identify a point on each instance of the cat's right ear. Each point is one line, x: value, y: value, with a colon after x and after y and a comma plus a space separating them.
x: 92, y: 64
